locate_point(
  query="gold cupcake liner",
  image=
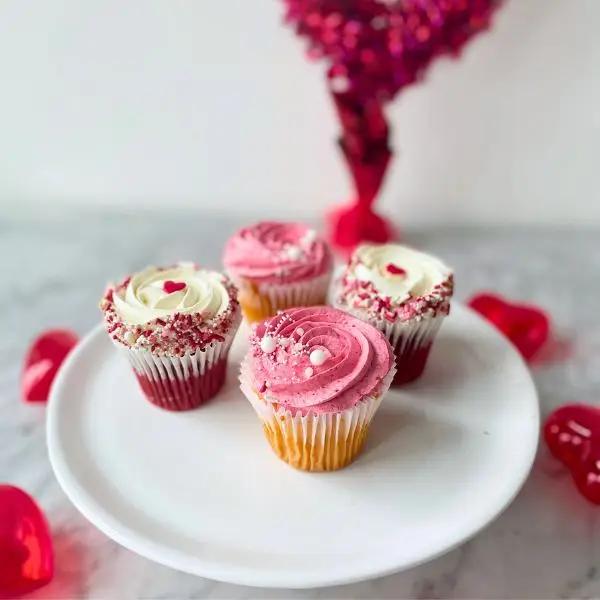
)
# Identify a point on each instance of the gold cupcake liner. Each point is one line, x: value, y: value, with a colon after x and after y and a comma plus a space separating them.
x: 315, y: 441
x: 261, y: 301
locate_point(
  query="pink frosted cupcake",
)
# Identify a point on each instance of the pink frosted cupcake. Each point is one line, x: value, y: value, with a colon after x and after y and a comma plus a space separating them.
x: 315, y: 377
x: 404, y: 293
x: 176, y: 326
x: 278, y: 266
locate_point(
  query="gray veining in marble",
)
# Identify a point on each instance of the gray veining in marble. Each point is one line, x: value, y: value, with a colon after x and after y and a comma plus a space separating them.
x: 546, y: 544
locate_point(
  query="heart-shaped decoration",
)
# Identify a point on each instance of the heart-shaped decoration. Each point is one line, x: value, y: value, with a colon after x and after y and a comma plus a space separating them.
x: 572, y: 433
x: 26, y: 554
x: 378, y: 47
x: 169, y: 287
x: 375, y: 49
x: 43, y: 359
x: 526, y: 326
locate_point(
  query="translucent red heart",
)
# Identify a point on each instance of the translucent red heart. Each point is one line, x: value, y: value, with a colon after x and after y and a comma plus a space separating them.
x: 26, y: 553
x: 572, y: 433
x: 526, y: 326
x: 42, y: 361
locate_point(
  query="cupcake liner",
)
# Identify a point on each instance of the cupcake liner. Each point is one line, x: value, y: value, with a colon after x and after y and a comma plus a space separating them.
x: 412, y: 341
x: 185, y: 382
x: 262, y: 300
x: 315, y: 441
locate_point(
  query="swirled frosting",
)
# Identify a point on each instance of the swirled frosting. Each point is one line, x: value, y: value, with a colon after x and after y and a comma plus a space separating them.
x: 158, y: 293
x: 318, y: 359
x: 171, y: 311
x: 271, y: 252
x: 392, y: 281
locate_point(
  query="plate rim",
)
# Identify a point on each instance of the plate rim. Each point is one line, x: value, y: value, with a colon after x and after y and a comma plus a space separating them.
x: 177, y: 559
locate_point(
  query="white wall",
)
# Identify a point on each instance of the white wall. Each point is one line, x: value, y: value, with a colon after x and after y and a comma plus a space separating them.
x: 198, y: 103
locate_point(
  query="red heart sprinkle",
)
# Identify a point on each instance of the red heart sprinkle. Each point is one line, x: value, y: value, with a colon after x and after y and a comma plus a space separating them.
x: 527, y: 327
x: 394, y: 269
x: 173, y: 286
x: 26, y: 554
x: 572, y: 432
x: 42, y: 361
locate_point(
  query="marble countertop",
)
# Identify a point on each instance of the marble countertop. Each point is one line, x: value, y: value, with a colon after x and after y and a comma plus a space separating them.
x: 545, y: 545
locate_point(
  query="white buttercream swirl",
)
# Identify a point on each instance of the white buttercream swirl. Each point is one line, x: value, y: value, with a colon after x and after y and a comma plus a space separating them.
x: 421, y: 272
x: 146, y: 297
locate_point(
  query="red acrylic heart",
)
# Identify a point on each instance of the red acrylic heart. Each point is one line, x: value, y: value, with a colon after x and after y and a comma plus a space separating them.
x: 572, y: 433
x: 43, y: 359
x: 26, y: 554
x: 527, y: 327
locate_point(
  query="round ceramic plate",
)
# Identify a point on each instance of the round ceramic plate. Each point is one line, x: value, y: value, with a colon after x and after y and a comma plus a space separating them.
x: 202, y: 491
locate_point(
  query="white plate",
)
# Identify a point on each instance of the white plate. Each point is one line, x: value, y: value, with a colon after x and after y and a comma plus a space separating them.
x: 202, y: 492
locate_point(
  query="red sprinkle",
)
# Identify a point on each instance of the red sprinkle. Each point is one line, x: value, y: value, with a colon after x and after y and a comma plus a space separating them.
x: 173, y: 286
x: 394, y: 269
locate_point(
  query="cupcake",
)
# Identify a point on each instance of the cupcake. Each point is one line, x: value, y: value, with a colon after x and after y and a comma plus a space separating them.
x: 176, y: 326
x: 404, y: 293
x: 278, y: 266
x: 315, y: 377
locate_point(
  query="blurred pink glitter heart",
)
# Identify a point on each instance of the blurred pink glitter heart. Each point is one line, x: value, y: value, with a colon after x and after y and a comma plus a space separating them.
x: 375, y: 48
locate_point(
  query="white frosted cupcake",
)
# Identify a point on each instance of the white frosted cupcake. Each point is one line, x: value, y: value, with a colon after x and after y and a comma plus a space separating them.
x: 404, y: 293
x: 176, y: 326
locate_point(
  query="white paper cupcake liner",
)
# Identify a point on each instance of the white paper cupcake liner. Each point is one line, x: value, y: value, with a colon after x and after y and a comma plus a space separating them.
x: 262, y: 300
x: 302, y: 293
x: 415, y: 333
x: 315, y: 441
x: 182, y: 382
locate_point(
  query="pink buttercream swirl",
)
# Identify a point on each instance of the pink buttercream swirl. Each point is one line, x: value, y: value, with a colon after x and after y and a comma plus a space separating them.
x: 272, y: 252
x: 317, y: 359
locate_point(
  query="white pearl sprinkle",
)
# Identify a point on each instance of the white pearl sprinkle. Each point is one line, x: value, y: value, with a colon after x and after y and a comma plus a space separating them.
x: 300, y: 331
x: 293, y: 252
x: 267, y: 344
x: 283, y: 342
x: 309, y: 237
x: 309, y: 371
x: 317, y: 357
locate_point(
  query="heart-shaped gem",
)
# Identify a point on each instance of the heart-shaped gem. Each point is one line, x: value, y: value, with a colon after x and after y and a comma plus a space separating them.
x: 572, y: 433
x: 43, y: 359
x: 527, y: 327
x: 26, y: 554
